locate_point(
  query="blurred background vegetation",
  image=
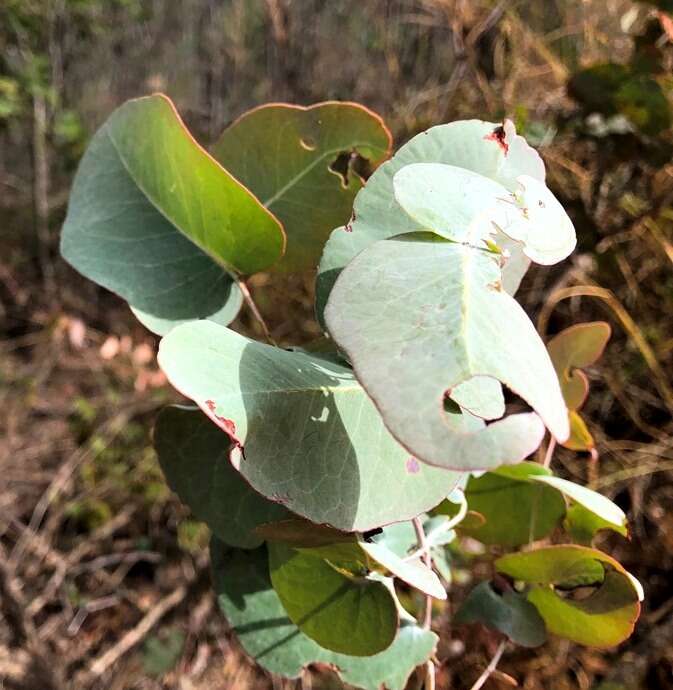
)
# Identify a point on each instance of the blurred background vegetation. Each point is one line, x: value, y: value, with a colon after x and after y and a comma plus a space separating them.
x: 103, y: 575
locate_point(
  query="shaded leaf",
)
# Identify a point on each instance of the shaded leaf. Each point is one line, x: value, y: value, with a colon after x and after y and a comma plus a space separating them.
x: 579, y: 346
x: 513, y: 508
x: 486, y: 148
x: 355, y: 616
x: 435, y: 309
x: 155, y: 219
x: 305, y: 433
x: 603, y: 619
x: 508, y: 613
x: 284, y: 154
x: 257, y: 617
x: 194, y: 456
x: 297, y: 532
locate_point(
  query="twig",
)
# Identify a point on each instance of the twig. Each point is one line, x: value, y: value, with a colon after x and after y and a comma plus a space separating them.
x: 427, y: 559
x: 22, y: 626
x: 550, y: 452
x: 491, y: 666
x: 136, y: 635
x: 429, y: 682
x: 445, y: 527
x: 245, y: 291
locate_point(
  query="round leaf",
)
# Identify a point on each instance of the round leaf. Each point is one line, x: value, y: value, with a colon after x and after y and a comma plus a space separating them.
x: 514, y: 509
x: 257, y: 617
x: 355, y: 616
x: 508, y: 613
x: 284, y: 154
x: 487, y: 148
x: 416, y: 317
x: 155, y: 219
x: 306, y: 435
x: 603, y: 619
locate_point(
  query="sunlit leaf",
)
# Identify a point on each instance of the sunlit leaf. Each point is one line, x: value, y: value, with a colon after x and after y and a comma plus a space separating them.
x: 305, y: 433
x: 610, y: 514
x: 194, y: 456
x: 508, y: 613
x: 604, y: 618
x: 489, y: 149
x: 155, y: 219
x: 417, y: 316
x: 464, y: 206
x: 415, y: 573
x: 350, y: 615
x: 571, y: 350
x: 481, y: 396
x: 284, y: 154
x: 515, y: 510
x: 257, y: 617
x: 580, y: 437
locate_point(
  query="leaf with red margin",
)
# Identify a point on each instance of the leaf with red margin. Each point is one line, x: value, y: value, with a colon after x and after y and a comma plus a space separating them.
x: 284, y: 154
x: 153, y: 217
x: 194, y: 456
x: 307, y: 435
x: 570, y: 350
x: 417, y: 315
x: 603, y: 619
x: 467, y: 144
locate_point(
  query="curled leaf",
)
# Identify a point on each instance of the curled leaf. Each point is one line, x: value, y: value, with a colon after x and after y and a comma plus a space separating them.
x: 603, y: 619
x: 153, y: 217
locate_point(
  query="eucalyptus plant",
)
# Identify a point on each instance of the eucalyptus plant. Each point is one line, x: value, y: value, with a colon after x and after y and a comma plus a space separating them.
x: 339, y: 478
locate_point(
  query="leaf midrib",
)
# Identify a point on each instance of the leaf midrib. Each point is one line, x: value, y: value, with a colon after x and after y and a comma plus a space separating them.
x: 297, y: 178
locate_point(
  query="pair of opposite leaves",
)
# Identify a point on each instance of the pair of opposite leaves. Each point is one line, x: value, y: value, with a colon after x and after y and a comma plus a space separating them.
x: 156, y: 219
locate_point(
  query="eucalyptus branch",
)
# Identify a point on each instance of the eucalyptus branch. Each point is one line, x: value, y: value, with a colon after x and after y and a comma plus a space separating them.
x: 245, y: 291
x: 427, y: 559
x: 445, y: 527
x: 550, y: 452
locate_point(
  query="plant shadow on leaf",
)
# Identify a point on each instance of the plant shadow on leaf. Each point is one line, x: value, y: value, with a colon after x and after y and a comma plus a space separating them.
x: 311, y: 425
x: 257, y: 617
x: 307, y: 436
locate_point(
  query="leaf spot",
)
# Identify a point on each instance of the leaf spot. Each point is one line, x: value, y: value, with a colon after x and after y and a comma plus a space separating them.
x: 498, y: 135
x: 412, y: 466
x: 308, y: 143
